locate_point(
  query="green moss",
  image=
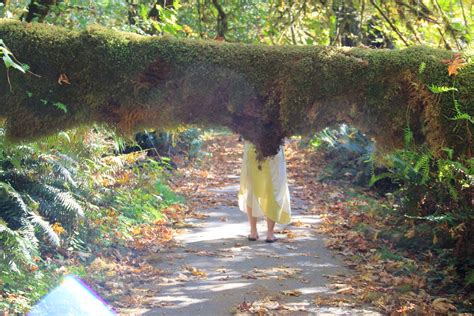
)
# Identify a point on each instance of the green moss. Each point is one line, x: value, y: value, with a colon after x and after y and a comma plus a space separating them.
x: 263, y: 92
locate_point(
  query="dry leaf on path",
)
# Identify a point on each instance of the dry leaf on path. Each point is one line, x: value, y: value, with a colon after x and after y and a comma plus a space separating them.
x: 291, y: 293
x: 196, y: 272
x: 443, y: 305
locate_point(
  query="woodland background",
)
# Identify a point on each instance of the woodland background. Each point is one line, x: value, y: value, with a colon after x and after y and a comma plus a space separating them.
x: 66, y: 197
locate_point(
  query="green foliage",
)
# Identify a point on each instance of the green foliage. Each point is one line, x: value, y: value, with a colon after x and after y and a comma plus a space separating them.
x: 43, y: 184
x: 21, y: 290
x: 348, y: 152
x: 49, y: 200
x: 35, y: 193
x: 432, y: 190
x: 469, y: 281
x: 446, y: 23
x: 9, y: 59
x: 18, y: 246
x: 461, y: 115
x: 441, y: 89
x: 388, y: 254
x: 188, y: 141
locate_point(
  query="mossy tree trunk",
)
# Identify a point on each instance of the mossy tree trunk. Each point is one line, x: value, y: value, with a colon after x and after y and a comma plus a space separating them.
x: 265, y: 93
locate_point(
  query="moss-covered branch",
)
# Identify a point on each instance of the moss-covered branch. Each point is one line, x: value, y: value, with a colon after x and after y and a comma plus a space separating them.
x: 265, y: 93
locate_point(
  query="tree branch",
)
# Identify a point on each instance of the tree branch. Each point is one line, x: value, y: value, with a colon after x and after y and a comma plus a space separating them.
x: 394, y: 28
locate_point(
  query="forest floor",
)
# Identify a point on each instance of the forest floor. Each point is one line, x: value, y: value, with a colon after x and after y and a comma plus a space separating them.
x: 199, y: 261
x: 214, y: 270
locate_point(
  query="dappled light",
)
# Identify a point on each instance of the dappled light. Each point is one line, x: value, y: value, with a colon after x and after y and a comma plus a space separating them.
x: 189, y: 157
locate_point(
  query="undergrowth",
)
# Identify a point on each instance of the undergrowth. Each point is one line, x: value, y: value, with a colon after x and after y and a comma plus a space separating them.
x: 67, y: 198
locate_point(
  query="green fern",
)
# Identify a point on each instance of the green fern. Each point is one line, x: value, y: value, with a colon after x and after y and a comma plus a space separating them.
x: 407, y: 137
x: 15, y: 211
x: 45, y: 226
x: 17, y: 247
x: 460, y: 115
x: 61, y: 171
x: 34, y: 192
x: 375, y: 178
x: 423, y: 165
x: 441, y: 89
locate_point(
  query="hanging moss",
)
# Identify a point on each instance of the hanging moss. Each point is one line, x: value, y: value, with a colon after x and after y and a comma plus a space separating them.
x: 265, y: 93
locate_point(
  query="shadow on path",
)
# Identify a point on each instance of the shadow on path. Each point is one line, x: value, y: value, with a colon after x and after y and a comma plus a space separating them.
x: 215, y: 268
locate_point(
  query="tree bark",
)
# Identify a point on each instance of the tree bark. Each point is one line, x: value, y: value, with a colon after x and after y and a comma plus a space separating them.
x: 265, y: 93
x: 221, y: 26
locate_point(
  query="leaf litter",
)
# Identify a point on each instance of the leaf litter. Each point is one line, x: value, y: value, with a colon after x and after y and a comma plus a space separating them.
x: 395, y: 286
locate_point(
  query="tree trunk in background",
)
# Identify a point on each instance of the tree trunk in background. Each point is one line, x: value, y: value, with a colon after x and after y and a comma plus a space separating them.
x: 221, y: 26
x: 265, y: 93
x: 38, y: 10
x: 348, y: 32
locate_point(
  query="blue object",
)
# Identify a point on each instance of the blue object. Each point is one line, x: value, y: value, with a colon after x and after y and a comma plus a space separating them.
x: 72, y: 297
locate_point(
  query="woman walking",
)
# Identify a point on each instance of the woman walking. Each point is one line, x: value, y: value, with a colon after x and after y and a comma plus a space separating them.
x: 264, y: 191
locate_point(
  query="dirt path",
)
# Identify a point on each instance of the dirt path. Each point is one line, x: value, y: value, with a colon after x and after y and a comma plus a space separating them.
x: 214, y: 270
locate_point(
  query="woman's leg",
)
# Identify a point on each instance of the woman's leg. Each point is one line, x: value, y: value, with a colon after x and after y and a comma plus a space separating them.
x: 253, y: 223
x: 270, y: 229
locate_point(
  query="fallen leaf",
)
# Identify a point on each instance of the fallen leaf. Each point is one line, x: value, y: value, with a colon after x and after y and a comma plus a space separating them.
x: 291, y: 293
x: 443, y: 305
x: 455, y: 64
x: 196, y: 272
x: 63, y: 78
x: 346, y: 290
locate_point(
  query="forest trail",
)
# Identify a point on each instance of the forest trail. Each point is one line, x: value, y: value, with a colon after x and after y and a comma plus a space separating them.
x: 212, y: 269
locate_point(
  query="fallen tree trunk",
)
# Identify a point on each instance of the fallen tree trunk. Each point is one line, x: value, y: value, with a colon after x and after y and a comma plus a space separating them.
x: 265, y: 93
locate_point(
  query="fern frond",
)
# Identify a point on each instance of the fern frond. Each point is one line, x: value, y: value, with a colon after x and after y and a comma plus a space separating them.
x: 17, y: 247
x: 407, y: 137
x: 60, y: 173
x: 441, y: 89
x: 8, y: 192
x: 460, y: 115
x: 375, y: 178
x: 13, y: 208
x: 453, y: 192
x: 423, y: 165
x: 45, y: 227
x: 57, y: 204
x: 68, y: 202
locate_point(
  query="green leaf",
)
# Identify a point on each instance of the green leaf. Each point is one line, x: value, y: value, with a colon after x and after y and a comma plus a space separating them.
x: 9, y: 63
x: 449, y: 152
x: 60, y: 106
x: 65, y: 136
x: 441, y: 89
